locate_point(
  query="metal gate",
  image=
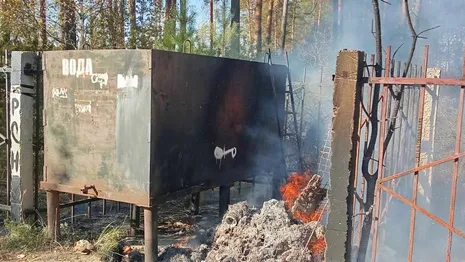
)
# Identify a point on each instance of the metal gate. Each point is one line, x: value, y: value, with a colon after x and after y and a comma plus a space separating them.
x: 416, y: 170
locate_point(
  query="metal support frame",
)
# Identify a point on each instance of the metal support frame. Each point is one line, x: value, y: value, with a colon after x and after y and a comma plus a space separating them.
x: 195, y: 203
x: 53, y: 214
x: 135, y: 220
x: 150, y: 233
x: 225, y: 197
x: 417, y: 79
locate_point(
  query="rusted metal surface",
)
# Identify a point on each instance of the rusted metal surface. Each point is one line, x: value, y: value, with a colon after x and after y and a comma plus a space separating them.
x: 455, y: 174
x: 422, y: 167
x: 150, y: 233
x: 97, y: 119
x: 141, y: 126
x: 423, y: 211
x: 411, y: 81
x: 213, y: 120
x: 417, y: 156
x: 53, y: 214
x: 393, y: 166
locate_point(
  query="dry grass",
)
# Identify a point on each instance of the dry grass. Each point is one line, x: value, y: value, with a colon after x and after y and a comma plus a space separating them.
x: 24, y: 237
x: 109, y: 239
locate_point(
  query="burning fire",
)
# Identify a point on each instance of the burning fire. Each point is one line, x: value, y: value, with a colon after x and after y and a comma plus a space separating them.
x: 291, y: 192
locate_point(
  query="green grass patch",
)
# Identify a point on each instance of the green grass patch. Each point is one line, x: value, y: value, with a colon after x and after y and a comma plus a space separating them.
x: 109, y: 240
x: 24, y: 237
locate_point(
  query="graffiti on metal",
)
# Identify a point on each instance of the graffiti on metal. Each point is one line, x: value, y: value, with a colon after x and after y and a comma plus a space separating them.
x: 149, y: 123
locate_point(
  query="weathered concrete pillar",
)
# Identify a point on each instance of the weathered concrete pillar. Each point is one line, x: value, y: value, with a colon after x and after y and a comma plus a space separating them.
x: 21, y: 156
x: 346, y: 106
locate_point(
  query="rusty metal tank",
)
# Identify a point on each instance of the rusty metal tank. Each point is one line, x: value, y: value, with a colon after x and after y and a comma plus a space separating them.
x: 139, y: 126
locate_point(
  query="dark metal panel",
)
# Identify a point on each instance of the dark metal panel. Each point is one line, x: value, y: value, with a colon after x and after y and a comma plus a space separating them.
x: 202, y: 105
x: 97, y: 122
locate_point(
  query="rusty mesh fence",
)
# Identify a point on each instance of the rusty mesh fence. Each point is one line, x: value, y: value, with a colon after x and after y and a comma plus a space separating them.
x: 419, y: 195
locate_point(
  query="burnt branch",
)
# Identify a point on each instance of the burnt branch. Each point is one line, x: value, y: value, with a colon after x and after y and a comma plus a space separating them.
x: 395, y: 52
x: 398, y: 95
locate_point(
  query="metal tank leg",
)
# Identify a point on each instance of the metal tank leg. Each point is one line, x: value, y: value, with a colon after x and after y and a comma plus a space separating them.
x: 195, y: 203
x: 150, y: 233
x: 275, y: 192
x: 225, y: 195
x: 53, y: 214
x: 135, y: 220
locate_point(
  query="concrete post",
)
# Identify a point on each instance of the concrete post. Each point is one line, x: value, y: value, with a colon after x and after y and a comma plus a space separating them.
x: 21, y: 132
x: 346, y: 106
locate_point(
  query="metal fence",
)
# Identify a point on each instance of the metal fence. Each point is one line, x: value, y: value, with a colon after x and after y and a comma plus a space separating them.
x: 416, y: 169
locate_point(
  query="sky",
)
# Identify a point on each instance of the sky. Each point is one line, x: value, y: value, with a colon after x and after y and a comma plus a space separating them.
x: 201, y: 10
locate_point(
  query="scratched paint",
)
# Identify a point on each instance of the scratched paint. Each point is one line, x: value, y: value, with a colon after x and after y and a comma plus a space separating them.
x: 147, y: 122
x: 59, y: 93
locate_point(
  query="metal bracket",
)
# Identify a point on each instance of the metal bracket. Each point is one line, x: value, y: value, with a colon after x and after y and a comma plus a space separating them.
x: 86, y: 188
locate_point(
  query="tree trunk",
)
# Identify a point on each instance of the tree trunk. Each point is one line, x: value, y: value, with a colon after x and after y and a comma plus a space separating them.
x: 111, y: 24
x: 258, y: 28
x: 276, y: 24
x: 168, y: 4
x: 120, y: 10
x: 170, y: 23
x: 158, y: 10
x: 43, y: 24
x: 68, y: 24
x: 170, y: 8
x: 212, y: 28
x: 224, y: 28
x: 294, y: 6
x: 269, y: 21
x: 337, y: 19
x: 183, y: 21
x: 132, y: 24
x: 82, y: 24
x: 284, y: 26
x: 371, y: 178
x: 319, y: 13
x: 250, y: 21
x: 235, y: 26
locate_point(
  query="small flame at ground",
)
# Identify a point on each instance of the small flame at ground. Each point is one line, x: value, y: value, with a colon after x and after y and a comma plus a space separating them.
x: 290, y: 192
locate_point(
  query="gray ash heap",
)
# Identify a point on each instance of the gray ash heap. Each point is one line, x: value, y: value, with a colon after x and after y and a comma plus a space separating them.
x: 248, y: 234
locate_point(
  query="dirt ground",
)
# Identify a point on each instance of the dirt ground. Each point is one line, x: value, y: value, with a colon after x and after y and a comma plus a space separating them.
x: 169, y: 213
x: 55, y: 255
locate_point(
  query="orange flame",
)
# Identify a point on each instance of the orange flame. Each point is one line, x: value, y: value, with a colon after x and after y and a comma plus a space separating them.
x: 318, y: 246
x: 290, y: 192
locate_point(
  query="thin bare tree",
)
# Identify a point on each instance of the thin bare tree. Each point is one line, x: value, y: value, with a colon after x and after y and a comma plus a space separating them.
x: 371, y: 178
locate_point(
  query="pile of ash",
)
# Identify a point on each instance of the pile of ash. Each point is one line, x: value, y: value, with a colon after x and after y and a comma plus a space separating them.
x: 248, y: 234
